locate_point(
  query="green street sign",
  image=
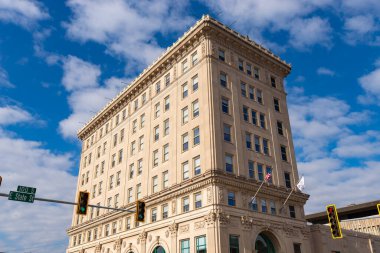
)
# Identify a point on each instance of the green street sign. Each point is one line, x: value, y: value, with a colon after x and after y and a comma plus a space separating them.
x: 26, y: 189
x: 21, y: 196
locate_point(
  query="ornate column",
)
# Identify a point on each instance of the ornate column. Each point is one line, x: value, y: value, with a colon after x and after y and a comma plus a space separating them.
x: 247, y: 225
x: 213, y: 240
x: 173, y: 229
x: 117, y: 245
x: 142, y: 241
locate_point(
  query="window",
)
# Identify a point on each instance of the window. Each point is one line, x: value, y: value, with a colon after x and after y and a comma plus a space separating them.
x: 196, y: 136
x: 139, y: 166
x: 259, y: 95
x: 225, y: 105
x: 136, y: 104
x: 221, y: 55
x: 254, y: 205
x: 264, y: 206
x: 227, y: 132
x: 156, y: 132
x: 254, y: 117
x: 223, y: 79
x: 138, y: 191
x: 113, y: 160
x: 240, y: 63
x: 283, y: 153
x: 297, y: 248
x: 142, y: 120
x: 96, y: 171
x: 130, y: 195
x: 197, y: 165
x: 133, y: 147
x: 94, y: 191
x: 231, y: 199
x: 134, y: 126
x: 154, y: 214
x: 87, y: 176
x: 185, y: 142
x: 166, y: 127
x: 104, y: 147
x: 268, y: 170
x: 272, y: 207
x: 98, y: 210
x: 111, y: 182
x: 198, y: 200
x: 107, y: 230
x: 98, y: 153
x: 185, y: 204
x: 185, y: 90
x: 279, y: 128
x: 194, y: 58
x: 116, y: 201
x: 185, y: 115
x: 195, y: 109
x: 155, y: 184
x: 265, y: 146
x: 260, y: 172
x: 251, y: 92
x: 166, y: 153
x: 243, y: 88
x: 114, y: 228
x: 234, y: 244
x: 245, y: 113
x: 128, y: 223
x: 124, y: 114
x: 287, y: 180
x: 185, y: 66
x: 118, y: 178
x: 143, y: 98
x: 121, y: 137
x: 141, y: 143
x: 114, y: 140
x: 185, y: 170
x: 273, y: 81
x: 167, y: 104
x: 131, y: 170
x: 292, y: 212
x: 276, y: 103
x: 79, y: 239
x: 262, y: 120
x: 257, y: 144
x: 95, y: 233
x: 100, y: 187
x: 158, y: 87
x: 165, y: 211
x: 120, y: 155
x: 101, y: 132
x: 251, y: 169
x: 165, y: 179
x: 249, y: 69
x: 107, y: 126
x: 195, y: 83
x: 185, y: 246
x: 256, y: 72
x: 155, y: 158
x: 157, y: 110
x: 109, y: 200
x: 248, y: 141
x: 229, y: 163
x: 75, y: 241
x: 167, y: 79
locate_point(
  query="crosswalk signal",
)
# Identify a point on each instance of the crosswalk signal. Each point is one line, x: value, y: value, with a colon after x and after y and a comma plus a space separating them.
x: 140, y: 211
x: 332, y: 216
x: 82, y: 205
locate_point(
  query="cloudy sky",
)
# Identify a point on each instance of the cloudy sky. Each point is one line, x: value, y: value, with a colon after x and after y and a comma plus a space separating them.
x: 61, y: 61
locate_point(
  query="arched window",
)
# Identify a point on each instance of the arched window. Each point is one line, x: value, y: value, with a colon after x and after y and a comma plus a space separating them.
x: 263, y: 244
x: 159, y: 249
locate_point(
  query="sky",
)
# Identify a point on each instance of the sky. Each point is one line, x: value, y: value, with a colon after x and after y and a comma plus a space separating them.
x: 62, y: 61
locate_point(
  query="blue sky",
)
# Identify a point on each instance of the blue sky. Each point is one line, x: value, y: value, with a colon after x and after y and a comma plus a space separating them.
x: 61, y: 61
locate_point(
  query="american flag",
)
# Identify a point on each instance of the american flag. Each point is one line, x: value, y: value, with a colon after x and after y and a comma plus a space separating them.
x: 268, y: 176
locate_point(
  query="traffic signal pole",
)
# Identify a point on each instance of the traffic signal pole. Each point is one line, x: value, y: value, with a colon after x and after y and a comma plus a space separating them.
x: 75, y: 204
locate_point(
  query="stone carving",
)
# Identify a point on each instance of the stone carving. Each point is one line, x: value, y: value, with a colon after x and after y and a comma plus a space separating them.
x: 117, y: 245
x: 246, y: 222
x: 209, y: 195
x: 167, y: 233
x: 173, y: 228
x: 142, y: 237
x: 199, y: 224
x: 290, y: 230
x: 174, y: 206
x: 221, y: 195
x: 223, y: 218
x: 203, y: 48
x: 184, y: 229
x: 210, y: 218
x: 150, y: 238
x: 98, y: 248
x: 81, y: 251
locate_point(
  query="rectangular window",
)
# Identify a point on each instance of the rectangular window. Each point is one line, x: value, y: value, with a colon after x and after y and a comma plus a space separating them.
x: 133, y: 147
x: 154, y: 214
x: 240, y: 63
x: 185, y: 142
x: 283, y: 154
x: 260, y: 172
x: 200, y: 243
x: 143, y: 98
x: 185, y: 115
x: 245, y: 114
x: 124, y: 114
x: 265, y: 146
x: 104, y: 147
x: 251, y: 169
x: 94, y: 191
x: 276, y: 104
x: 130, y: 195
x: 109, y: 200
x: 262, y: 120
x: 138, y: 191
x: 249, y: 69
x: 256, y: 72
x: 107, y: 231
x: 251, y: 91
x: 234, y: 244
x: 195, y: 83
x: 243, y: 88
x: 185, y: 90
x: 185, y: 66
x: 142, y: 120
x: 156, y: 132
x: 197, y: 165
x: 254, y: 117
x: 185, y: 204
x: 136, y: 104
x: 131, y: 170
x: 111, y: 182
x: 128, y: 223
x: 155, y: 184
x: 231, y: 199
x: 139, y: 166
x: 287, y: 180
x: 292, y: 212
x: 198, y: 200
x: 273, y: 81
x: 253, y: 205
x: 229, y: 163
x: 264, y: 206
x: 223, y: 79
x: 167, y: 103
x: 227, y: 132
x: 225, y: 105
x: 98, y: 153
x: 115, y: 140
x: 196, y: 136
x: 116, y: 201
x: 166, y: 127
x: 194, y: 58
x: 95, y: 233
x: 268, y: 170
x: 120, y: 155
x: 195, y: 108
x: 134, y: 126
x: 248, y: 142
x: 100, y: 187
x: 273, y: 207
x: 165, y: 211
x: 259, y: 95
x: 297, y: 248
x: 121, y: 136
x: 185, y: 246
x: 279, y: 128
x: 118, y: 178
x: 113, y: 162
x: 185, y: 170
x: 158, y: 87
x: 167, y: 79
x: 166, y: 153
x: 257, y: 144
x: 221, y: 55
x: 157, y: 110
x: 155, y: 158
x: 141, y: 143
x: 165, y: 179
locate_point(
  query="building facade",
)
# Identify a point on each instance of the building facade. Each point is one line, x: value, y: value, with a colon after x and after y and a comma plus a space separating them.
x: 194, y: 136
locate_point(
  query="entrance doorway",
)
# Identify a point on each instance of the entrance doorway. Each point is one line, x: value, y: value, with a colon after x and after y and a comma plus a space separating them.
x: 159, y: 249
x: 263, y: 244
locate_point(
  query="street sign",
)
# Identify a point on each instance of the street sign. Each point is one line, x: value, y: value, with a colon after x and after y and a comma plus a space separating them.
x: 21, y: 196
x: 26, y: 189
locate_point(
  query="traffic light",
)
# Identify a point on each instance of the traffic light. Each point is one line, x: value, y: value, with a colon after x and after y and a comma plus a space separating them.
x: 82, y: 203
x: 378, y: 208
x: 332, y: 216
x: 140, y: 211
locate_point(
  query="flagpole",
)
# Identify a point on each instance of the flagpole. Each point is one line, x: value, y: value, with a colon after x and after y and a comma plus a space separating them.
x: 286, y: 200
x: 254, y: 196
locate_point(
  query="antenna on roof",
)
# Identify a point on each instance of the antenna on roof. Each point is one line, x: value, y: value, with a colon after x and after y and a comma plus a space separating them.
x: 233, y: 22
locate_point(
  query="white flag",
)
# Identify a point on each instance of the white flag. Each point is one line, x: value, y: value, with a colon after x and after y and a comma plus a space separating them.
x: 301, y: 184
x: 252, y: 200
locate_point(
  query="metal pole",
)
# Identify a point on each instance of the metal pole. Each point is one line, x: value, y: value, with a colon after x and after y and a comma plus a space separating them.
x: 253, y: 198
x: 73, y: 203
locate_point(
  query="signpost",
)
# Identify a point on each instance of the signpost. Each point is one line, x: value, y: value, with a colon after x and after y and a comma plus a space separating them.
x: 21, y: 196
x: 26, y: 189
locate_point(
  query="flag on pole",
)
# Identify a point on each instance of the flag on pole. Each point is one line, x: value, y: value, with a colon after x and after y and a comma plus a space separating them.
x: 301, y: 184
x: 268, y: 176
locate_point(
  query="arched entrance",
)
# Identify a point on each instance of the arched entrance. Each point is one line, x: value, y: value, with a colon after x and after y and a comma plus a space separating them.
x: 158, y: 249
x: 264, y: 244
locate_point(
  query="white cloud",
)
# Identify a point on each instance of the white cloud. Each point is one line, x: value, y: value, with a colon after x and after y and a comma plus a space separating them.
x: 371, y: 85
x: 361, y: 29
x: 325, y: 71
x: 87, y: 96
x: 4, y: 79
x: 127, y: 28
x: 13, y: 114
x: 22, y: 12
x: 359, y: 145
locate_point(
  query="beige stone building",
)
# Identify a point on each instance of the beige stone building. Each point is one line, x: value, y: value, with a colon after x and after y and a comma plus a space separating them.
x: 369, y: 225
x: 193, y: 136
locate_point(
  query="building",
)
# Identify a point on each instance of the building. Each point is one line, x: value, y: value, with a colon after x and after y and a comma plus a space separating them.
x: 193, y: 136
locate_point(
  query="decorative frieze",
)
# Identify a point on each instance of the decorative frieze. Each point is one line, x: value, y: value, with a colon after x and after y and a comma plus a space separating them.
x: 199, y: 224
x: 246, y: 222
x: 173, y: 228
x: 142, y: 237
x: 210, y: 218
x: 209, y: 195
x: 184, y: 229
